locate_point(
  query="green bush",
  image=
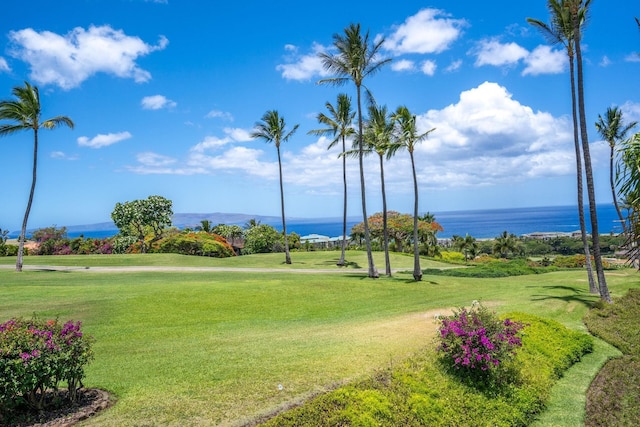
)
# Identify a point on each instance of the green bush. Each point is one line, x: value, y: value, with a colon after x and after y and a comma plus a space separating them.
x: 420, y: 392
x: 36, y: 356
x: 493, y: 268
x: 190, y: 243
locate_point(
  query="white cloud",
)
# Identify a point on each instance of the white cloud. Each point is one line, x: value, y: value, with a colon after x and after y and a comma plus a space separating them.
x: 489, y: 138
x: 69, y: 60
x: 605, y: 61
x: 303, y: 67
x: 492, y: 52
x: 428, y: 31
x: 428, y: 67
x: 631, y: 113
x: 454, y: 66
x: 3, y: 65
x: 633, y: 57
x: 213, y: 114
x: 403, y: 65
x: 213, y: 142
x: 156, y: 102
x: 486, y: 138
x: 61, y: 155
x: 544, y: 60
x: 101, y: 140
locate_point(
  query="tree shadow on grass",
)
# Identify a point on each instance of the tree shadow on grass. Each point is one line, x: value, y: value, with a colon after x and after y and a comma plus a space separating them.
x: 573, y: 295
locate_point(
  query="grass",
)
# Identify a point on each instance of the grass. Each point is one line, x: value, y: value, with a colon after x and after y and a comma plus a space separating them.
x: 214, y: 347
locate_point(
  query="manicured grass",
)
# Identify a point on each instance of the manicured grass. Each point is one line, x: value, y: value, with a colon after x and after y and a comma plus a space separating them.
x: 357, y: 261
x: 211, y: 348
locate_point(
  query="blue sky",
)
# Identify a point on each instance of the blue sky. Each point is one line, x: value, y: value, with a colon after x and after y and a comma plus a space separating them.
x: 164, y: 95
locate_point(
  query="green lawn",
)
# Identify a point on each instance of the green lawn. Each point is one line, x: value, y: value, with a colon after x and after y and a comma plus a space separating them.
x: 214, y: 347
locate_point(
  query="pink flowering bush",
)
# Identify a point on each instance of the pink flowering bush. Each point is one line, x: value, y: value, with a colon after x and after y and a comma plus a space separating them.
x: 476, y: 342
x: 38, y: 356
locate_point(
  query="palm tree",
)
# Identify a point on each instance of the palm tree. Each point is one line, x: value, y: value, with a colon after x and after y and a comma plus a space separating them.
x: 467, y: 245
x: 578, y: 10
x: 613, y: 130
x: 628, y: 178
x: 560, y: 31
x: 339, y: 126
x: 271, y: 128
x: 23, y: 113
x: 505, y: 243
x: 377, y: 138
x: 407, y: 137
x: 205, y: 225
x: 356, y: 59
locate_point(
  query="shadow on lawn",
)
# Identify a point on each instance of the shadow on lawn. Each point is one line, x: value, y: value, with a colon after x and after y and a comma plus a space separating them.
x: 573, y: 295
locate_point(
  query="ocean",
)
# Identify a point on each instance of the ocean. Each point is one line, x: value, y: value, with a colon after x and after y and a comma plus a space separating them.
x: 481, y: 224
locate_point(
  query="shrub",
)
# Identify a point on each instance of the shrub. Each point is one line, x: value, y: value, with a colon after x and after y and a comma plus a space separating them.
x: 190, y: 243
x: 36, y: 356
x: 475, y: 342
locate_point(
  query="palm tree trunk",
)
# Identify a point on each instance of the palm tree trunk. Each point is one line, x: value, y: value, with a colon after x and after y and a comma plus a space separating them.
x: 385, y: 230
x: 593, y: 287
x: 417, y: 271
x: 341, y: 262
x: 373, y: 273
x: 595, y: 233
x: 613, y: 191
x: 284, y: 224
x: 23, y: 230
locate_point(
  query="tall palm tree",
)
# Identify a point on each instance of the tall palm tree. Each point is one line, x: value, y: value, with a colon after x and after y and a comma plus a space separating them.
x: 271, y: 128
x: 505, y: 243
x: 560, y: 31
x: 23, y: 113
x: 357, y: 58
x: 408, y: 138
x: 340, y: 126
x: 613, y: 130
x: 578, y: 10
x: 377, y: 138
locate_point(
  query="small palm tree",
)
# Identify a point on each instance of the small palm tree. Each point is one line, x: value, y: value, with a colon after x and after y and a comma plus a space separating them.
x: 23, y: 113
x: 504, y: 244
x: 377, y: 138
x: 467, y: 245
x: 408, y: 137
x: 613, y: 130
x: 356, y: 59
x: 205, y: 225
x: 340, y: 127
x: 271, y: 128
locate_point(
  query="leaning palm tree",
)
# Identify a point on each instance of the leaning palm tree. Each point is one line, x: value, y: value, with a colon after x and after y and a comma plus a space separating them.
x: 377, y: 138
x: 271, y: 128
x: 23, y: 113
x: 407, y: 137
x: 340, y: 126
x: 613, y: 130
x: 560, y: 31
x: 356, y: 58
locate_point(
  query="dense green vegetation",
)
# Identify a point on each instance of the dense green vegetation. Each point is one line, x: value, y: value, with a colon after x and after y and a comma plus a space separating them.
x: 208, y: 347
x: 419, y: 392
x: 614, y: 396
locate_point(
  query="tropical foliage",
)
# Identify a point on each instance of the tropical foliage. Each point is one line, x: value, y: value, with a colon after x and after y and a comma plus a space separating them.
x: 139, y: 218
